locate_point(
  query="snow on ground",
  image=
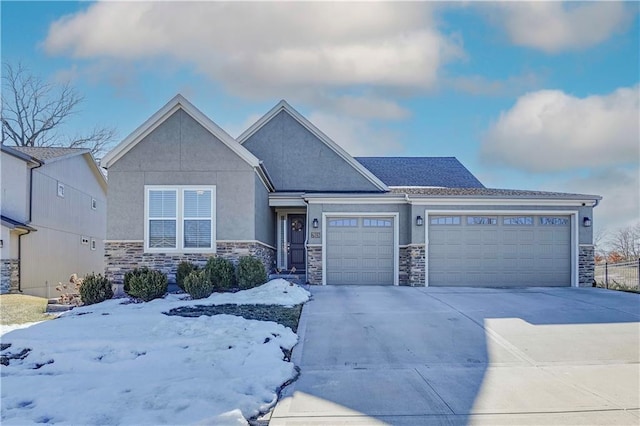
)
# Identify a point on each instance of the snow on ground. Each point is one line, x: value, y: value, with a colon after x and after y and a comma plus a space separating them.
x: 115, y: 363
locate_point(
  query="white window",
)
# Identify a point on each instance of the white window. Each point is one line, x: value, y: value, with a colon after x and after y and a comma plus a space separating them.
x: 60, y: 189
x: 94, y: 204
x: 180, y: 218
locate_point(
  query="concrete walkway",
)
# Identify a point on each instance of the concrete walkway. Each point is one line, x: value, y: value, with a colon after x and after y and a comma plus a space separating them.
x: 416, y: 356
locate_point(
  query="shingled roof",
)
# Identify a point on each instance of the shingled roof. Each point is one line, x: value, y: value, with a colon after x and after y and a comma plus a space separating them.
x: 489, y: 192
x: 445, y: 172
x: 45, y: 154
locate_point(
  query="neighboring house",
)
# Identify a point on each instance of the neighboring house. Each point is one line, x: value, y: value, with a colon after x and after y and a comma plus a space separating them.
x: 53, y: 218
x: 181, y: 188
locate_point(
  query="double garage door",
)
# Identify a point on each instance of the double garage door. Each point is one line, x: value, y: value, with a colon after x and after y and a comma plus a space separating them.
x: 462, y: 250
x: 360, y: 250
x: 499, y: 251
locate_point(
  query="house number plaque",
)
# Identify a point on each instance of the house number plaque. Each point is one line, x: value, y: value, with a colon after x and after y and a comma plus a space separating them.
x: 315, y: 235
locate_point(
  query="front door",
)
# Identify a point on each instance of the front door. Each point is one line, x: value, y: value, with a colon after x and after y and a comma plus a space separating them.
x: 295, y: 242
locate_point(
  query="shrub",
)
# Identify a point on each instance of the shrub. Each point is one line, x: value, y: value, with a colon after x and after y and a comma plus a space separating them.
x: 95, y: 289
x: 128, y: 275
x: 251, y: 272
x: 220, y: 272
x: 198, y: 285
x: 148, y: 285
x: 184, y: 269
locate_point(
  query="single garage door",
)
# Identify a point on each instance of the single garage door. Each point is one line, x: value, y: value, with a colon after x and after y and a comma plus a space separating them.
x: 359, y: 250
x: 499, y: 251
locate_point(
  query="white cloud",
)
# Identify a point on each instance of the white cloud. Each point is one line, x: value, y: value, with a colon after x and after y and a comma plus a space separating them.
x: 265, y: 46
x: 559, y: 26
x: 620, y: 191
x: 356, y: 136
x: 551, y: 131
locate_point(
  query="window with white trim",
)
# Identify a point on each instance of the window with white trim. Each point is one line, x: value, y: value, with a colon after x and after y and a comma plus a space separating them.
x: 180, y: 218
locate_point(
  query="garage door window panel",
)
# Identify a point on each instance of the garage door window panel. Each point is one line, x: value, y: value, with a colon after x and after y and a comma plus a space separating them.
x: 554, y: 221
x: 482, y: 220
x: 445, y: 220
x: 518, y: 220
x: 343, y: 223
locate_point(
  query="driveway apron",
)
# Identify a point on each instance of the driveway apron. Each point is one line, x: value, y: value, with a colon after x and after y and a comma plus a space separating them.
x: 415, y: 356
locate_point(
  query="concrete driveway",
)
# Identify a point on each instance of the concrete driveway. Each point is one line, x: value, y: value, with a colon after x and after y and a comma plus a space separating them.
x: 415, y: 356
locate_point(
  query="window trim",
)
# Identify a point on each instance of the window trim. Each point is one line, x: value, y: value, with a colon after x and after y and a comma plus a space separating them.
x: 180, y: 218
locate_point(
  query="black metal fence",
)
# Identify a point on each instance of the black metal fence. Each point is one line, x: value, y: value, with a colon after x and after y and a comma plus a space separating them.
x: 619, y: 276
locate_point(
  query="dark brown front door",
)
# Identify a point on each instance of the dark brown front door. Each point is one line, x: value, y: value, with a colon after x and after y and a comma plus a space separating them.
x: 296, y: 237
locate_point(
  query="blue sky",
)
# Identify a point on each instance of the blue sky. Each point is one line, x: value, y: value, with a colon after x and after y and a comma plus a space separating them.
x: 527, y: 95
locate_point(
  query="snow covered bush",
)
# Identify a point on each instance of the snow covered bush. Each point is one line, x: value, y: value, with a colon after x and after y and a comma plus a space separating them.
x: 250, y: 272
x: 148, y: 285
x: 220, y: 272
x: 198, y: 285
x: 184, y: 269
x: 95, y: 289
x: 128, y: 275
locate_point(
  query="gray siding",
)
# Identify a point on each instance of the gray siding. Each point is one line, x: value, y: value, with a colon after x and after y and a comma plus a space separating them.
x: 299, y: 161
x: 181, y: 152
x: 265, y: 216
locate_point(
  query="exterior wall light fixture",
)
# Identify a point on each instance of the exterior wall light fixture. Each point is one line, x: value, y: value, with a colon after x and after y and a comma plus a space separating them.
x: 419, y: 221
x: 586, y: 222
x: 315, y: 223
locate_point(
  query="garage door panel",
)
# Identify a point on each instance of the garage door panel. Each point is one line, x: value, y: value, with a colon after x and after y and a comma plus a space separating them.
x: 362, y: 253
x: 537, y: 253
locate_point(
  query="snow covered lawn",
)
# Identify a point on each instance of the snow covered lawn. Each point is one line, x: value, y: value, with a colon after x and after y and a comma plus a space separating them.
x: 115, y: 363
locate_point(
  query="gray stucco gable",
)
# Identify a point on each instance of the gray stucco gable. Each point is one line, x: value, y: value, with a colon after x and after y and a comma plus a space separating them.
x: 298, y: 160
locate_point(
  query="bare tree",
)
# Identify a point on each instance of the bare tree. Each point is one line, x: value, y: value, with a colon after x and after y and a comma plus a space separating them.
x: 34, y: 111
x: 626, y: 242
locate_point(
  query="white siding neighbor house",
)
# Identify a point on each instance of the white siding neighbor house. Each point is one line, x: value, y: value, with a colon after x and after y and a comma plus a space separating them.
x: 53, y: 218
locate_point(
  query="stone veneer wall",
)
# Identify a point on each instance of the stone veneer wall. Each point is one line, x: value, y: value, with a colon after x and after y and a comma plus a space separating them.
x: 586, y: 265
x: 123, y: 256
x: 314, y: 264
x: 9, y: 275
x: 404, y: 266
x: 416, y: 255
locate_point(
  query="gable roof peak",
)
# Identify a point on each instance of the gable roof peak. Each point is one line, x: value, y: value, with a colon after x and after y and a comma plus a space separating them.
x: 153, y: 122
x: 304, y: 122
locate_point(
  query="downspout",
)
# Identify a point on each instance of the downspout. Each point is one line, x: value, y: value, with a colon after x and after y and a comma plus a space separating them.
x: 306, y: 243
x: 20, y: 259
x: 40, y: 163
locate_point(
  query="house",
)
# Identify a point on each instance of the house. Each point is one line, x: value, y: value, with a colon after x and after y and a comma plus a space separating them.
x: 181, y: 189
x: 53, y: 218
